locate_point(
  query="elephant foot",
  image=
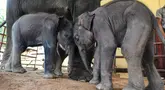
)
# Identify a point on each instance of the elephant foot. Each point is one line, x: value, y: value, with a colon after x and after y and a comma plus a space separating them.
x: 7, y: 70
x: 49, y: 76
x: 19, y: 70
x: 2, y: 67
x: 58, y: 73
x: 3, y: 63
x: 80, y: 74
x: 103, y: 86
x: 7, y: 67
x: 158, y: 86
x: 69, y: 69
x: 94, y: 81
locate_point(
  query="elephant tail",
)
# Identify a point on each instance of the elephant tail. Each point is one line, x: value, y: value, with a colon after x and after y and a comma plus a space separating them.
x: 157, y: 28
x: 155, y: 24
x: 3, y: 24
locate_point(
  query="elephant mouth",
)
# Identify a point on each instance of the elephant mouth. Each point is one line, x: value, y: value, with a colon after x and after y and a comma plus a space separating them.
x: 66, y: 48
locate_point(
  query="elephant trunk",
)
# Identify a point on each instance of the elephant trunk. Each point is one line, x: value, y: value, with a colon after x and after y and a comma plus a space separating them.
x: 83, y: 54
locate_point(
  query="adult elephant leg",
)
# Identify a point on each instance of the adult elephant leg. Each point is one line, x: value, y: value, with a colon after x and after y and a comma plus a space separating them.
x: 13, y: 13
x: 86, y: 75
x: 155, y: 82
x: 96, y: 68
x: 14, y: 62
x: 136, y: 37
x: 75, y: 65
x: 71, y: 55
x: 61, y: 55
x: 16, y: 59
x: 78, y: 71
x: 8, y: 65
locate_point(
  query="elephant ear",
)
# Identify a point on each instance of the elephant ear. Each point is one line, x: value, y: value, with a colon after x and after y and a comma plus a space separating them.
x: 91, y: 18
x: 83, y: 37
x: 88, y: 39
x: 87, y: 20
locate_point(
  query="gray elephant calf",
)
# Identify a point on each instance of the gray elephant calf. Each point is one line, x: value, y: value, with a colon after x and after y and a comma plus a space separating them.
x: 34, y: 30
x: 127, y: 24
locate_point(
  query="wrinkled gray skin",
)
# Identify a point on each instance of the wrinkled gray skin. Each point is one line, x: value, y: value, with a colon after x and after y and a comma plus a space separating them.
x: 35, y: 30
x: 126, y: 24
x: 68, y: 8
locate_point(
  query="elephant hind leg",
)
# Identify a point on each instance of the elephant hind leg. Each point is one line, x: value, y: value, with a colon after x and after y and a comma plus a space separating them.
x: 133, y: 46
x: 155, y: 82
x: 135, y: 80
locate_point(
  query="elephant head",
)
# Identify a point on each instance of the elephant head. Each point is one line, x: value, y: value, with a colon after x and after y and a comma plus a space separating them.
x: 83, y: 35
x: 65, y: 31
x: 65, y: 39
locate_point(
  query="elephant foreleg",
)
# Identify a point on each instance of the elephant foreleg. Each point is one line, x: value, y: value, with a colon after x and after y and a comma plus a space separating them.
x: 49, y: 63
x: 61, y: 55
x: 96, y: 69
x: 78, y: 71
x: 12, y: 15
x: 107, y: 53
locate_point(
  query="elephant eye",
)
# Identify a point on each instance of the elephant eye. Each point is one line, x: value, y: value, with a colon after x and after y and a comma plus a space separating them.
x: 76, y: 38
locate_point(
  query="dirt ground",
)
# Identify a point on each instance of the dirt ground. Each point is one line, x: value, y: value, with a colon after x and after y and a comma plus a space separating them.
x: 33, y: 80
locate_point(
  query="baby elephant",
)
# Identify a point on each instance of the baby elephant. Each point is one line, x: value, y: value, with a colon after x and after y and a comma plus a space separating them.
x: 35, y: 30
x: 127, y: 24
